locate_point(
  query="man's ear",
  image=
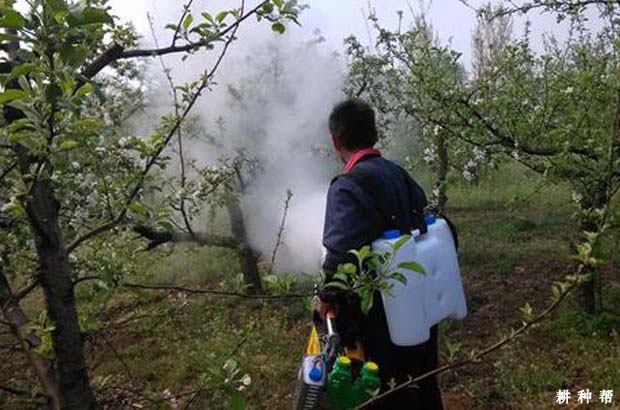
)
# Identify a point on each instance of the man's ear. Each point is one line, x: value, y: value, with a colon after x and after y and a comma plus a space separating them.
x: 336, y: 143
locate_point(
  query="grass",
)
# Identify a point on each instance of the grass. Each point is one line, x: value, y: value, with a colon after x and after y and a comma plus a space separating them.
x: 514, y: 234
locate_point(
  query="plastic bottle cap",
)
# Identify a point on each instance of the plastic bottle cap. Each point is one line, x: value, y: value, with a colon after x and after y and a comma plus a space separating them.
x: 345, y: 361
x: 393, y: 234
x: 372, y: 366
x: 316, y: 374
x: 430, y: 219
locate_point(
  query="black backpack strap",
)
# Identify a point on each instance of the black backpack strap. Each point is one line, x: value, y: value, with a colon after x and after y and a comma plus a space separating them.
x: 386, y: 215
x: 419, y: 217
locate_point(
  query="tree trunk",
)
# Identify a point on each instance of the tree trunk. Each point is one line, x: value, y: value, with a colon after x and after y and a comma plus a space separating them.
x: 43, y: 209
x: 14, y: 315
x: 439, y: 193
x: 248, y: 257
x: 591, y: 291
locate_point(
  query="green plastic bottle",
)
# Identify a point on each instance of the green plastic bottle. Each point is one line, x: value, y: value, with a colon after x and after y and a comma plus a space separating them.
x: 368, y: 383
x: 340, y: 383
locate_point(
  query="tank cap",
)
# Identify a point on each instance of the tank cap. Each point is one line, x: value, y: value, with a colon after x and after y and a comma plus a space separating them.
x: 430, y: 219
x: 372, y: 367
x: 392, y: 234
x: 315, y: 374
x: 344, y: 361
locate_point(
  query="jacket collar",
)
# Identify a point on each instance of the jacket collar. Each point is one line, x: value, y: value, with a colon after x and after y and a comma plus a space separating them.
x: 358, y: 156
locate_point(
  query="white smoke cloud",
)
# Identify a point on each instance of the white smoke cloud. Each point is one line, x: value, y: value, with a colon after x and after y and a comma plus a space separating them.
x: 273, y: 93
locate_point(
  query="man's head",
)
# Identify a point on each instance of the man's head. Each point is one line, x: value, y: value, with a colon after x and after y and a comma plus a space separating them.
x: 353, y: 127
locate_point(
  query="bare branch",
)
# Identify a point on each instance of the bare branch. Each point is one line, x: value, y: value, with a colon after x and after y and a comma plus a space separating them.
x: 175, y: 96
x: 287, y: 202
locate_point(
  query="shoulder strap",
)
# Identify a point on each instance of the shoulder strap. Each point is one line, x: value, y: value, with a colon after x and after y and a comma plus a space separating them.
x: 386, y: 215
x: 419, y: 219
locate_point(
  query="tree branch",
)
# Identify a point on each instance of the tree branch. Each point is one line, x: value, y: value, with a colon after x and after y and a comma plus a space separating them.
x: 116, y: 51
x: 159, y: 237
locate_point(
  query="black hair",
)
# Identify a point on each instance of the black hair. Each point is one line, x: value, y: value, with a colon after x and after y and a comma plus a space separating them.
x: 352, y: 122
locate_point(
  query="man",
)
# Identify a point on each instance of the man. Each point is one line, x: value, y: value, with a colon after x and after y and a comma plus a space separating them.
x: 371, y: 196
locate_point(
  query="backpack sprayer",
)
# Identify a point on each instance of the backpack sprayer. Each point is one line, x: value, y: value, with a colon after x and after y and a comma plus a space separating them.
x: 326, y: 377
x: 411, y: 308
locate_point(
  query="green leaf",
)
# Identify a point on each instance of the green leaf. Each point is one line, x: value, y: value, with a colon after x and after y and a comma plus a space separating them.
x: 278, y: 28
x: 85, y: 90
x: 367, y: 303
x: 399, y: 277
x: 221, y: 16
x: 412, y: 266
x: 12, y: 19
x: 97, y: 16
x: 188, y: 21
x: 11, y: 95
x: 139, y: 208
x: 400, y: 242
x: 89, y: 15
x: 341, y: 277
x: 68, y: 144
x: 267, y: 8
x: 279, y: 3
x: 347, y: 268
x: 25, y: 69
x: 73, y: 56
x: 91, y: 123
x: 336, y: 285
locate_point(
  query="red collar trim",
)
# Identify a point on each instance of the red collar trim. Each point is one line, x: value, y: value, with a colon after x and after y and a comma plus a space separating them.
x: 355, y: 158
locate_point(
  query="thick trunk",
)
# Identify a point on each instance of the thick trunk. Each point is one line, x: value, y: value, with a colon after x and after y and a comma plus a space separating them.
x: 248, y: 257
x: 14, y: 315
x: 54, y: 275
x: 439, y: 193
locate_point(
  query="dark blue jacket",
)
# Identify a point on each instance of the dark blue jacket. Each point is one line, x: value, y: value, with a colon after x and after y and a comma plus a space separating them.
x: 355, y: 215
x: 374, y: 196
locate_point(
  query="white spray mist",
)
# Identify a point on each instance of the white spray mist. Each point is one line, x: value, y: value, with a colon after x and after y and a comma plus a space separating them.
x: 274, y: 94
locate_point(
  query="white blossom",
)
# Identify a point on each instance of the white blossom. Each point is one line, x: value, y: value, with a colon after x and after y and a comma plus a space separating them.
x: 577, y: 197
x: 468, y: 175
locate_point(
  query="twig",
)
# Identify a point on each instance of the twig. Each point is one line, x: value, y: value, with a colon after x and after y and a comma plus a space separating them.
x: 186, y: 10
x: 216, y: 292
x: 22, y: 293
x: 287, y: 201
x: 173, y: 89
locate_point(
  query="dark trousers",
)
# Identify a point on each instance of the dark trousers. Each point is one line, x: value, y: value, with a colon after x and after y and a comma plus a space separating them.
x: 400, y: 364
x: 395, y: 362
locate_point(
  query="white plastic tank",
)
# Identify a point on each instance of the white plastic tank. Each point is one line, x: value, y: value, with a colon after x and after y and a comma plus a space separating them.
x: 425, y: 300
